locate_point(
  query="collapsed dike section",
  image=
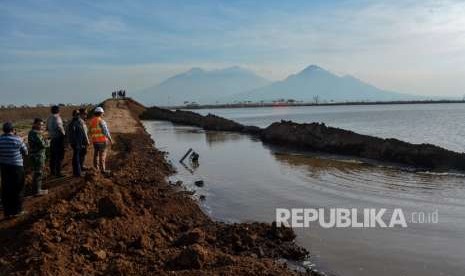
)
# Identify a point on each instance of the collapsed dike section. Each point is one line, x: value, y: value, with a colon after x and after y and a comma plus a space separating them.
x: 134, y: 222
x: 321, y: 138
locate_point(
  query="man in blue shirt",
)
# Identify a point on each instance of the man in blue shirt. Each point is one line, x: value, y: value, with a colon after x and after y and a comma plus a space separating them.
x: 12, y: 149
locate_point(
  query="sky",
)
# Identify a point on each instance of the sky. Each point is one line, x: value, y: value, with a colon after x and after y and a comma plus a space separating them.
x: 79, y: 51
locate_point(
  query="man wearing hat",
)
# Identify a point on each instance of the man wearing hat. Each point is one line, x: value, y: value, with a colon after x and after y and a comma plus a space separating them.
x: 100, y: 136
x: 12, y: 149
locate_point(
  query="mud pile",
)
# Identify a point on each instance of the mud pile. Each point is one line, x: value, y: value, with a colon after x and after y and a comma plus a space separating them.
x: 319, y: 137
x: 135, y: 223
x: 208, y: 122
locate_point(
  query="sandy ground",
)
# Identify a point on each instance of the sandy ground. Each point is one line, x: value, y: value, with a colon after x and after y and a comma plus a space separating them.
x: 119, y: 117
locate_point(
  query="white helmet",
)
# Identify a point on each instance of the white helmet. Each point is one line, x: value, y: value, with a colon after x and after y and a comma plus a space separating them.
x: 98, y: 110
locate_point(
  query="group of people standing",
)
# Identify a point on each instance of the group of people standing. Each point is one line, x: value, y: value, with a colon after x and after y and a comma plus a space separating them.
x: 79, y: 133
x: 118, y: 94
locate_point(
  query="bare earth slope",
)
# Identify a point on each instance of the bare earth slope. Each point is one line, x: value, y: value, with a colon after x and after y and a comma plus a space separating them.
x: 134, y: 222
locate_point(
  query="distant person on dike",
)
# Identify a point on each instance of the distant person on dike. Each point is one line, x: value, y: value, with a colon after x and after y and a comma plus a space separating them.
x: 83, y: 120
x: 37, y: 147
x: 100, y: 136
x: 12, y: 150
x: 56, y: 132
x: 78, y: 141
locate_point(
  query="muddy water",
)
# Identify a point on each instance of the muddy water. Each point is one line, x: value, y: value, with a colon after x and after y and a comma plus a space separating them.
x: 247, y: 180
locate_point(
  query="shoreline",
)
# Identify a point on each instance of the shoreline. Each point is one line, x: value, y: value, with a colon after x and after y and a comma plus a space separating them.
x: 288, y: 104
x: 135, y: 222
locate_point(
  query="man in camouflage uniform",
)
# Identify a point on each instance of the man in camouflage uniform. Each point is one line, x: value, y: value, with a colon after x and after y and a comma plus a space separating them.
x: 37, y: 146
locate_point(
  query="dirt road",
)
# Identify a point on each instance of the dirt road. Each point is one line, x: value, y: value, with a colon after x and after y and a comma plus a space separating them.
x: 120, y: 118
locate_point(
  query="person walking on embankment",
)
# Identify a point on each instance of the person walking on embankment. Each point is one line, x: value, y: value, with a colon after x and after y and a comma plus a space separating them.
x: 56, y: 131
x: 12, y: 150
x: 101, y: 138
x: 37, y: 146
x: 78, y: 141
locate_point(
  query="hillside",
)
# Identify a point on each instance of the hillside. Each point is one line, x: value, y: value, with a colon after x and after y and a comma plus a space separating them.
x: 201, y: 86
x: 314, y: 83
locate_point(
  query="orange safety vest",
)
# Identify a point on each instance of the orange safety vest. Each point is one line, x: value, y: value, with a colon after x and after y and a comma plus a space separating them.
x: 96, y: 132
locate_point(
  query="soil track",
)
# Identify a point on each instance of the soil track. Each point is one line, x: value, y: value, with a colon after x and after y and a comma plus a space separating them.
x: 134, y: 222
x: 120, y: 118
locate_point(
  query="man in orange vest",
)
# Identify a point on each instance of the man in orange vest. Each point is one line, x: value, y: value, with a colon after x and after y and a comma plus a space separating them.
x: 100, y: 136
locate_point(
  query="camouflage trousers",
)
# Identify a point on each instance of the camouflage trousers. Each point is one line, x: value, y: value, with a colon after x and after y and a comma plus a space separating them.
x: 38, y: 165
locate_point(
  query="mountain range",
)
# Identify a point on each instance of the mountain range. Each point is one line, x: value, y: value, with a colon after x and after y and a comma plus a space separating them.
x: 236, y: 84
x: 201, y: 86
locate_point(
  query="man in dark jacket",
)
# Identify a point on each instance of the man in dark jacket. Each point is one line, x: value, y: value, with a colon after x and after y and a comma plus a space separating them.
x: 83, y: 120
x: 37, y: 146
x: 78, y: 141
x: 57, y: 133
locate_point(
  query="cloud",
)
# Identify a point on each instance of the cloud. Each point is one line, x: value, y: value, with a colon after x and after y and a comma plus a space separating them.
x: 55, y: 54
x: 408, y: 46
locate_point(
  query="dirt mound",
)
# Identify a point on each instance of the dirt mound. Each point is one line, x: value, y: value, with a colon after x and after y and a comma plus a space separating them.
x: 320, y: 137
x: 135, y: 223
x: 208, y: 122
x: 135, y: 107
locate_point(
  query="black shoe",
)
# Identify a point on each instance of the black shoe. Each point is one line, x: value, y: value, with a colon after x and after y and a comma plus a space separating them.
x: 41, y: 192
x: 20, y: 214
x: 60, y: 175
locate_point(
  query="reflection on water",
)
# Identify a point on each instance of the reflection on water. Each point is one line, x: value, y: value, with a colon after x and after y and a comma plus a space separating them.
x: 213, y: 137
x: 316, y: 166
x: 390, y: 183
x: 246, y: 180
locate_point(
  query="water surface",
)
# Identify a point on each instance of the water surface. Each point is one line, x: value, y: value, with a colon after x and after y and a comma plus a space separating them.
x: 246, y: 180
